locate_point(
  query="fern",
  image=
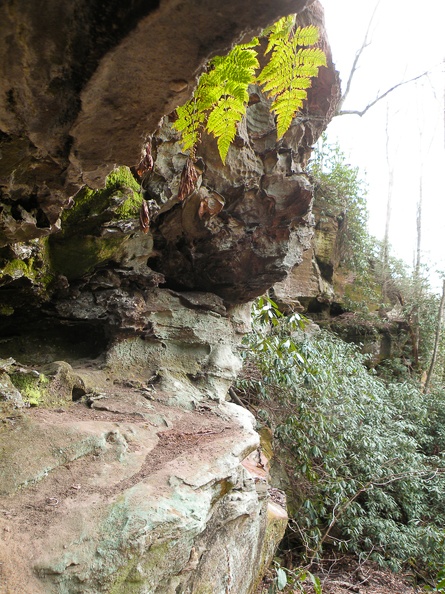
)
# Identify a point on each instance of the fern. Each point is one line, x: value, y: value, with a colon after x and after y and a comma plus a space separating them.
x: 279, y: 30
x: 230, y: 79
x: 288, y: 73
x: 220, y: 100
x: 189, y: 122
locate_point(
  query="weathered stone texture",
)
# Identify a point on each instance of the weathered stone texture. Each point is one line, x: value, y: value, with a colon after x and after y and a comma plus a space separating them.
x: 151, y: 500
x: 128, y: 476
x: 82, y: 83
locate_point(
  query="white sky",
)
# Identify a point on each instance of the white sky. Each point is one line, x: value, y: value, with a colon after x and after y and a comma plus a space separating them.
x: 405, y: 42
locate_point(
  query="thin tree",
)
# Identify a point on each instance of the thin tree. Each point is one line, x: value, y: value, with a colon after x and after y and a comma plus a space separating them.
x: 385, y: 246
x: 436, y: 340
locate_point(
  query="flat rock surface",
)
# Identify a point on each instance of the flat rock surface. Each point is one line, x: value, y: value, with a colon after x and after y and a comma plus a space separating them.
x: 64, y: 473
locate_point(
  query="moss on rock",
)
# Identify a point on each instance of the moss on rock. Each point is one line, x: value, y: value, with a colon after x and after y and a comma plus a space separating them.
x: 82, y: 245
x: 119, y: 199
x: 33, y: 387
x: 121, y: 177
x: 77, y: 256
x: 25, y: 266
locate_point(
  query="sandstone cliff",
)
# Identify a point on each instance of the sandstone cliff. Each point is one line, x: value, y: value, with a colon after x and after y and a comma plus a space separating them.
x: 123, y: 467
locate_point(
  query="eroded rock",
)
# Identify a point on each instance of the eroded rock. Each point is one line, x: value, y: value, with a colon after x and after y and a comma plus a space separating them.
x: 134, y: 481
x: 87, y: 71
x: 152, y: 499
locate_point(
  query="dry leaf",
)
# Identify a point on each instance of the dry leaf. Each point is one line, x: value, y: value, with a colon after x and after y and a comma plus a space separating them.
x: 144, y: 217
x: 146, y: 163
x: 189, y: 177
x: 211, y: 205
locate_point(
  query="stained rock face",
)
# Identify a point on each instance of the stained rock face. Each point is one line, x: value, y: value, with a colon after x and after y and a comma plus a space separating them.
x: 134, y: 482
x: 81, y: 87
x: 122, y: 463
x: 313, y: 283
x: 266, y: 222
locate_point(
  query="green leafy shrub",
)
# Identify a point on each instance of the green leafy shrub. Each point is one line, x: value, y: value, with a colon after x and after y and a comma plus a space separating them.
x: 285, y: 577
x: 364, y: 465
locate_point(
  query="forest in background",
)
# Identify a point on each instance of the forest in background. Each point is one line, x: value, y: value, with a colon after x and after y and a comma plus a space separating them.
x: 358, y: 441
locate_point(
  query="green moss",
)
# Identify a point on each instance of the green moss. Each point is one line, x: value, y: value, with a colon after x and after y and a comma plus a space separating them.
x: 35, y: 268
x: 121, y: 584
x: 121, y: 177
x: 6, y: 310
x: 33, y: 388
x: 80, y: 247
x: 77, y: 256
x: 88, y: 212
x: 119, y: 199
x: 16, y: 269
x: 129, y: 209
x: 130, y: 579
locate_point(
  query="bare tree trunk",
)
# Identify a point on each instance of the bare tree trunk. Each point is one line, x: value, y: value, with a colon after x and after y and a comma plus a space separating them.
x: 419, y: 213
x: 385, y: 246
x: 436, y: 340
x: 442, y: 301
x: 419, y: 227
x: 417, y: 261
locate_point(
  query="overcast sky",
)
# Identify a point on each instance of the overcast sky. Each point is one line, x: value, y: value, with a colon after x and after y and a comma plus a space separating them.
x: 404, y: 43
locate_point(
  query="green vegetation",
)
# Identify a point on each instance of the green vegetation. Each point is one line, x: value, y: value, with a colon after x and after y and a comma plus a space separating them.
x: 32, y: 386
x: 30, y: 265
x: 340, y: 194
x: 294, y: 578
x: 359, y: 445
x: 81, y: 246
x: 363, y: 456
x: 220, y: 99
x: 120, y: 198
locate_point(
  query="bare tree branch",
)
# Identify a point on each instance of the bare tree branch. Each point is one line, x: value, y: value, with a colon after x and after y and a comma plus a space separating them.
x: 365, y: 44
x: 379, y: 97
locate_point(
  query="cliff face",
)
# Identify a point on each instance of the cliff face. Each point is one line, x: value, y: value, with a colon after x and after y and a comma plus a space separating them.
x: 75, y: 72
x: 131, y: 472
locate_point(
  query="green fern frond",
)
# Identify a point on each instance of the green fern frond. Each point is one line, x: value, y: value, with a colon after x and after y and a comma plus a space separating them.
x: 222, y: 123
x: 289, y: 72
x: 278, y: 74
x: 220, y: 100
x: 231, y: 75
x: 279, y: 31
x: 285, y: 107
x: 305, y: 36
x: 189, y: 123
x: 313, y: 56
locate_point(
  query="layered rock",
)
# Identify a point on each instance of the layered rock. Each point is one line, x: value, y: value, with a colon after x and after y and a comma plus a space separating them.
x: 132, y: 496
x: 312, y: 285
x: 126, y: 473
x: 82, y: 84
